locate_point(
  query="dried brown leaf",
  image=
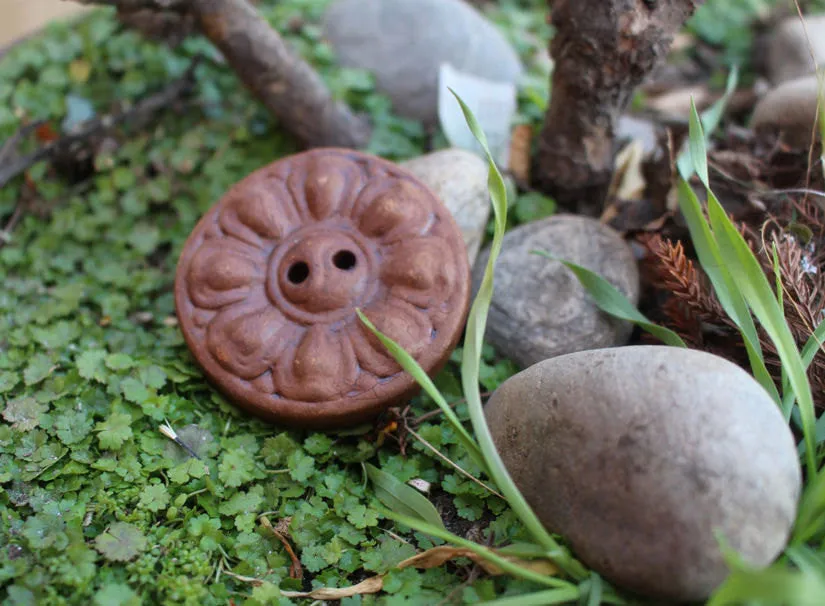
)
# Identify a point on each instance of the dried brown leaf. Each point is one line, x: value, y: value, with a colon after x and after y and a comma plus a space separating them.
x: 370, y: 585
x: 519, y: 164
x: 432, y: 558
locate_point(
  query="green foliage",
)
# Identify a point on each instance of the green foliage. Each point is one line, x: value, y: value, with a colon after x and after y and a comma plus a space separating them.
x: 98, y: 506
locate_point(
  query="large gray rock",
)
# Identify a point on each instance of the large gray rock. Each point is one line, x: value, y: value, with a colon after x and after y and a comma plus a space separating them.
x: 790, y: 110
x: 539, y: 308
x: 404, y: 42
x: 790, y: 49
x: 459, y: 179
x: 636, y: 455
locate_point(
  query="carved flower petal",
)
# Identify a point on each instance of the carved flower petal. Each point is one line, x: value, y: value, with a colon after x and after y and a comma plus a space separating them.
x: 263, y: 210
x: 322, y: 368
x: 416, y: 270
x: 223, y: 272
x: 247, y: 341
x: 401, y: 211
x: 372, y: 355
x: 330, y: 184
x: 401, y: 322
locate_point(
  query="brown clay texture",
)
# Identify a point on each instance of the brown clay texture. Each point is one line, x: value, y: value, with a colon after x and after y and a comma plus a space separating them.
x: 269, y: 280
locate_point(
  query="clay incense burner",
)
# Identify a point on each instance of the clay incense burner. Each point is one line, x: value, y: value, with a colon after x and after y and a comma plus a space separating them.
x: 269, y: 280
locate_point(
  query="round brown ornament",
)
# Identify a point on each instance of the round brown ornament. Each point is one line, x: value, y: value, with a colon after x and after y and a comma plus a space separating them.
x: 269, y: 280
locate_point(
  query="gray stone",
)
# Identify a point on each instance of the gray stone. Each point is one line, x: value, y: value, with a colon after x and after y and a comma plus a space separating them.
x: 791, y: 110
x: 789, y: 48
x: 539, y: 308
x: 403, y: 43
x: 459, y: 179
x: 638, y: 129
x: 636, y: 455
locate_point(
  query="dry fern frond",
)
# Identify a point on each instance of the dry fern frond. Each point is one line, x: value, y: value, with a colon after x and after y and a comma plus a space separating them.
x: 678, y: 275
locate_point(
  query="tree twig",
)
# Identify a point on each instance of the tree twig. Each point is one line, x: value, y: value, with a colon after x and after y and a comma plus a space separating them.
x: 286, y: 84
x: 79, y: 136
x: 136, y: 5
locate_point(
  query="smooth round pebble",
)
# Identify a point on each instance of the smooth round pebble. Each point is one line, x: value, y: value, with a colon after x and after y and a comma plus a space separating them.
x: 791, y: 110
x: 539, y: 308
x: 404, y: 42
x: 636, y: 455
x: 459, y: 178
x: 790, y: 46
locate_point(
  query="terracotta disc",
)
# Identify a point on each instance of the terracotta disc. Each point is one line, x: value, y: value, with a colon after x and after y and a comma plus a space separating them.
x: 269, y: 280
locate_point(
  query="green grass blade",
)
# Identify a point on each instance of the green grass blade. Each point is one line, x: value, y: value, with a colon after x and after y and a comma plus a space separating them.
x: 402, y: 498
x: 473, y: 341
x: 709, y: 121
x: 408, y: 363
x: 729, y: 296
x: 810, y: 519
x: 611, y: 300
x: 709, y: 256
x: 754, y: 286
x: 806, y: 559
x: 595, y: 596
x: 813, y: 344
x: 540, y: 598
x: 712, y: 117
x: 809, y: 351
x: 696, y: 144
x: 480, y: 550
x: 772, y: 586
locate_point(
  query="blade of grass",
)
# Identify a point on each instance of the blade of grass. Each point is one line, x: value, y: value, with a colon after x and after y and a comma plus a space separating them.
x: 480, y: 550
x: 611, y: 300
x: 724, y: 286
x: 707, y: 249
x: 810, y: 518
x: 595, y: 596
x: 813, y: 344
x: 402, y: 498
x: 710, y: 121
x: 696, y: 145
x: 540, y: 598
x: 809, y: 351
x: 473, y: 341
x: 409, y: 364
x: 772, y: 586
x: 806, y: 559
x: 754, y: 286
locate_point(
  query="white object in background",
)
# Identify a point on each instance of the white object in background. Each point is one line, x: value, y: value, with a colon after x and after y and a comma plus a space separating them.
x: 492, y: 103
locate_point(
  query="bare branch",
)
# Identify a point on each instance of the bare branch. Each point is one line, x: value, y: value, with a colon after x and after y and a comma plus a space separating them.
x: 80, y: 136
x: 280, y: 79
x: 288, y: 86
x: 135, y: 5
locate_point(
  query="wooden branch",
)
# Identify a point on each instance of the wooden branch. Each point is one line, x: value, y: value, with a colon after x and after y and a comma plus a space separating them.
x: 79, y: 137
x: 603, y: 49
x: 286, y: 85
x: 136, y: 5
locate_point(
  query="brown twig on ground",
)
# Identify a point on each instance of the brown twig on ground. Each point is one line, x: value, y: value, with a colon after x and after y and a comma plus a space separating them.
x: 78, y: 139
x: 281, y: 532
x: 602, y: 49
x: 286, y: 85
